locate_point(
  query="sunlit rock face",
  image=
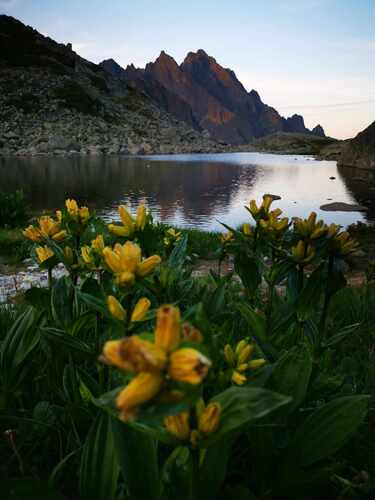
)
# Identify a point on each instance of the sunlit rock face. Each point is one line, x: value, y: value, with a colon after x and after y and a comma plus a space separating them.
x: 217, y: 100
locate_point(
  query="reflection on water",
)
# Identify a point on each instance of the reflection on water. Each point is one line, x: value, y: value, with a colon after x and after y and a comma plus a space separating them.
x: 187, y: 190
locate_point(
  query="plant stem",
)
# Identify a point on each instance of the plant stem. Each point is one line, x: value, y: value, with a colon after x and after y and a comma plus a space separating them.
x: 328, y: 295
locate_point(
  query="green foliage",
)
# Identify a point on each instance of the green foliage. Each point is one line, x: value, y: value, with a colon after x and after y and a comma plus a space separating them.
x: 287, y: 347
x: 13, y: 209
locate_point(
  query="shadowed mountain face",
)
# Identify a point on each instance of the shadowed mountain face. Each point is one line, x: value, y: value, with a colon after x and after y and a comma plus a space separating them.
x: 209, y: 97
x: 360, y: 151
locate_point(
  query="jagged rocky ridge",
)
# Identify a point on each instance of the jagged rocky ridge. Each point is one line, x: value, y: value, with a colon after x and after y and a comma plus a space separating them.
x: 52, y: 101
x: 208, y: 97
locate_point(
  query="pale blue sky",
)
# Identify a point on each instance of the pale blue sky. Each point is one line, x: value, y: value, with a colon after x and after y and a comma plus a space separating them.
x: 314, y: 57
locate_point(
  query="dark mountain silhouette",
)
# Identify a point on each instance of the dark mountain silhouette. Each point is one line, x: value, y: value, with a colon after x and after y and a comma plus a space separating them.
x: 360, y: 151
x: 208, y: 97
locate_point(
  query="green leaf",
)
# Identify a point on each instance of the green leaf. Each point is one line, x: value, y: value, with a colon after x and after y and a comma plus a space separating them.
x: 328, y: 429
x: 177, y: 475
x: 61, y: 302
x: 137, y: 456
x: 99, y: 467
x: 29, y: 489
x: 241, y: 406
x: 94, y: 303
x: 21, y: 339
x: 213, y: 469
x: 291, y: 375
x: 178, y: 254
x: 247, y: 269
x: 308, y: 299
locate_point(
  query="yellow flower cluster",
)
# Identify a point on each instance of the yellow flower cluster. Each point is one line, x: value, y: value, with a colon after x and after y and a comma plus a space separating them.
x: 303, y: 253
x: 172, y: 236
x: 43, y: 253
x: 227, y: 238
x: 273, y: 225
x: 310, y: 230
x: 118, y: 312
x: 207, y: 419
x: 154, y: 364
x: 125, y: 261
x: 239, y: 361
x: 78, y: 213
x: 48, y: 228
x: 129, y: 224
x: 262, y: 211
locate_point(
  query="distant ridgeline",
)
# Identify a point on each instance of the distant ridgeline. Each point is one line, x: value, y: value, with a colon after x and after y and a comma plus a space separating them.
x: 208, y: 97
x: 52, y: 101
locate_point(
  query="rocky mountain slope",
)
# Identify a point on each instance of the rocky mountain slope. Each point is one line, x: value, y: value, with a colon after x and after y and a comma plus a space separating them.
x: 54, y: 101
x: 208, y: 97
x: 299, y: 143
x: 359, y: 153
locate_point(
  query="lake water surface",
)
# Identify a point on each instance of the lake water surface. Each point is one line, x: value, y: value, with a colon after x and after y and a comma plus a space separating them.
x: 186, y: 190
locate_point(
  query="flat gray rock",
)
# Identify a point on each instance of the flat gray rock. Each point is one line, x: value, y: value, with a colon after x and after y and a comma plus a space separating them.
x: 338, y: 206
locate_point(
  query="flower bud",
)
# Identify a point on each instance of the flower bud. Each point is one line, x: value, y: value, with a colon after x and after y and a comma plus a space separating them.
x: 140, y: 220
x: 209, y: 419
x: 178, y: 425
x: 188, y: 365
x: 115, y: 308
x: 140, y: 309
x: 141, y: 389
x: 167, y: 331
x: 238, y: 378
x: 148, y: 265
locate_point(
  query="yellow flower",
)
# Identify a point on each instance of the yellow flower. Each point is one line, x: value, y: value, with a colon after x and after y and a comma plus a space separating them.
x: 227, y: 238
x: 126, y: 218
x: 245, y: 354
x: 303, y: 253
x: 125, y: 278
x: 140, y: 219
x: 87, y: 257
x: 48, y: 227
x: 167, y: 332
x: 148, y: 265
x: 135, y: 355
x: 140, y: 309
x: 256, y: 363
x: 59, y: 215
x: 125, y: 261
x: 98, y: 244
x: 229, y: 355
x: 32, y: 233
x: 191, y: 334
x: 115, y: 308
x: 60, y: 235
x: 188, y: 365
x: 247, y: 230
x: 43, y: 253
x: 119, y: 230
x: 72, y: 207
x: 141, y: 389
x: 210, y: 418
x: 84, y: 213
x: 260, y: 212
x: 238, y: 378
x: 178, y: 425
x: 310, y: 229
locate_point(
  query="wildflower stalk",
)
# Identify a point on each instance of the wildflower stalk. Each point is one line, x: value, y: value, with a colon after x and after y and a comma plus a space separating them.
x: 328, y: 294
